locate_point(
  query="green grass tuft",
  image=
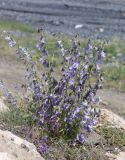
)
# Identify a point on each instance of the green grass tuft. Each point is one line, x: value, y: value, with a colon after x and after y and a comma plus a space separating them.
x: 115, y: 76
x: 114, y: 136
x: 17, y: 117
x: 115, y: 73
x: 13, y: 25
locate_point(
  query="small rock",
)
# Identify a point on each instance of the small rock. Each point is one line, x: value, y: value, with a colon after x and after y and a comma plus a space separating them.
x: 101, y: 30
x: 78, y: 26
x: 108, y: 117
x: 95, y: 139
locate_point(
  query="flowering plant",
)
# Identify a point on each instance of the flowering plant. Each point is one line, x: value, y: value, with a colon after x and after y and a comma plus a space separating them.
x: 65, y: 106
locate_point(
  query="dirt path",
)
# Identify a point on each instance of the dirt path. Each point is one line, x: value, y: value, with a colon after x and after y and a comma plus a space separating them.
x: 12, y: 74
x: 98, y: 18
x: 113, y: 100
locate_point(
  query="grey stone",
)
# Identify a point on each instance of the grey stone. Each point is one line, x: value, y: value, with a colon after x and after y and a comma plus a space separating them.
x: 13, y: 147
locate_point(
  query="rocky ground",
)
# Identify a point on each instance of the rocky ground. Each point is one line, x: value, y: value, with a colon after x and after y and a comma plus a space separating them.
x: 94, y: 18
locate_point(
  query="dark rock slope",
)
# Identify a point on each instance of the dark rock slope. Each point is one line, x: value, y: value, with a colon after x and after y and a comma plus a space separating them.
x: 98, y: 18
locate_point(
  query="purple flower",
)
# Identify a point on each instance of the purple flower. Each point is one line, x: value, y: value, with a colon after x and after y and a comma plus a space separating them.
x: 57, y: 113
x: 101, y: 55
x: 89, y: 125
x: 44, y: 62
x: 81, y: 73
x: 8, y: 95
x: 10, y: 98
x: 85, y: 119
x: 19, y: 54
x: 80, y: 138
x: 10, y: 41
x: 75, y: 65
x: 87, y: 111
x: 88, y: 48
x: 65, y: 119
x: 68, y: 51
x: 46, y: 103
x: 26, y: 53
x: 78, y: 89
x: 74, y: 45
x: 68, y: 58
x: 65, y: 106
x: 53, y: 118
x: 55, y: 101
x: 71, y: 82
x: 91, y: 96
x: 75, y: 55
x: 35, y: 87
x: 43, y: 148
x: 40, y: 122
x: 42, y: 42
x: 56, y: 125
x: 72, y: 73
x: 97, y: 65
x: 75, y: 113
x: 44, y: 52
x: 60, y: 45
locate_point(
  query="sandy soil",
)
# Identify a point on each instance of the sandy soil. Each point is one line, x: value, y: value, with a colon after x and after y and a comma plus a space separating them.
x: 113, y: 100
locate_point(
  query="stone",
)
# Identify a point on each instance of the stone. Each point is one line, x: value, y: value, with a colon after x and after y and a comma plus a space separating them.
x: 78, y: 26
x: 13, y: 147
x: 112, y: 119
x: 94, y: 139
x: 120, y: 156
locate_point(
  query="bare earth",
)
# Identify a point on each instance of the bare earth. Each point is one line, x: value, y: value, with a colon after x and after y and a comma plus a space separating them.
x: 113, y: 100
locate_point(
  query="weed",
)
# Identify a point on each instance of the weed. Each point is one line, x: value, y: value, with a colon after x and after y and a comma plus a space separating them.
x: 114, y: 136
x: 13, y: 25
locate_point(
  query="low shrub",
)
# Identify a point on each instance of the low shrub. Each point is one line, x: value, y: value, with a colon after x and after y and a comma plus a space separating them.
x: 63, y: 107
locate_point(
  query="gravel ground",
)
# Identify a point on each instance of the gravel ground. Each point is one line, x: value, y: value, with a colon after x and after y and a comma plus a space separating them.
x: 93, y: 18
